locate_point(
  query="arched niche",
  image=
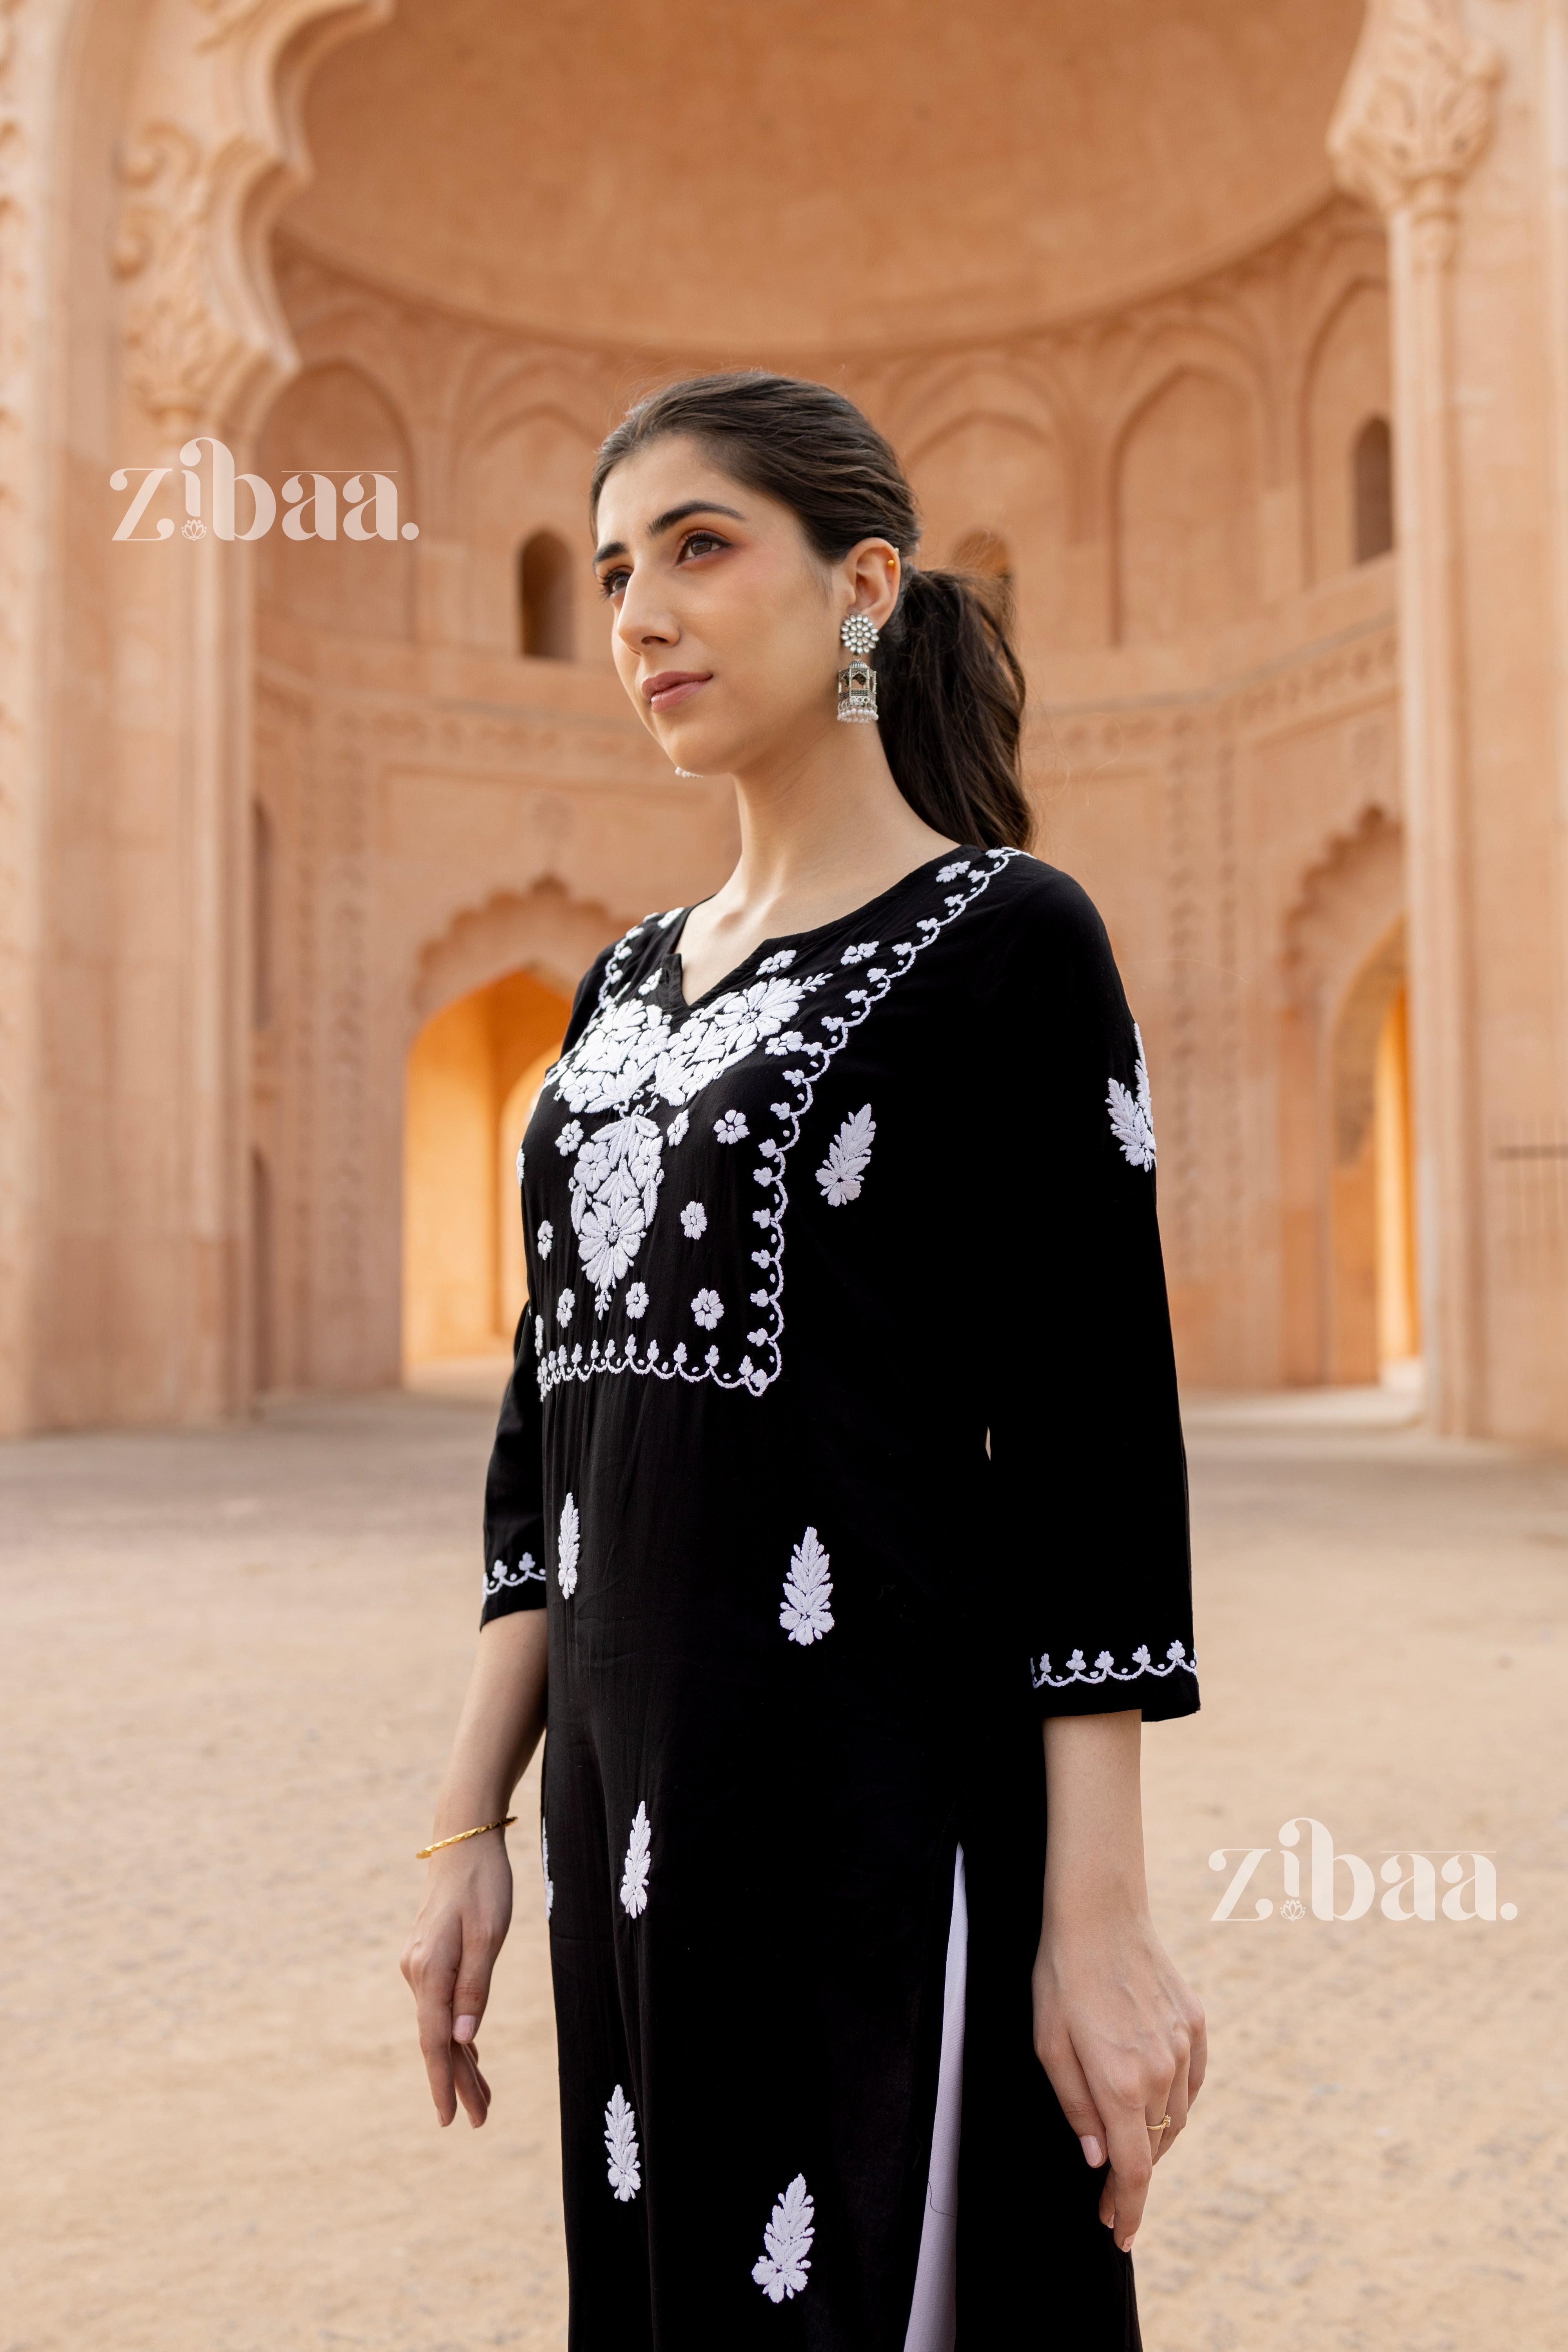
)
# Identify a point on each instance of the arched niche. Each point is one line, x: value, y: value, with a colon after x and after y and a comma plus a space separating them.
x: 1372, y: 490
x: 331, y: 423
x: 1347, y: 387
x: 1187, y: 507
x: 543, y: 930
x: 526, y: 480
x: 990, y: 486
x: 546, y: 618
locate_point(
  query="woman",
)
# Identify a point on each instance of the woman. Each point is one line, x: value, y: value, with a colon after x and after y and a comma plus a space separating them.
x: 841, y: 1455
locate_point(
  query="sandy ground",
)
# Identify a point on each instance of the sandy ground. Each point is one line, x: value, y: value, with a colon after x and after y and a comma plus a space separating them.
x: 231, y: 1662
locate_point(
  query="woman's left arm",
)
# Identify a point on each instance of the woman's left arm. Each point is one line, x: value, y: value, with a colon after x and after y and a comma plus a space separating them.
x: 1120, y: 2034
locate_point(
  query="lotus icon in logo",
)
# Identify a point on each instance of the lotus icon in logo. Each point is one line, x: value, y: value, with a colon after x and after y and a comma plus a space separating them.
x: 194, y: 528
x: 1294, y: 1908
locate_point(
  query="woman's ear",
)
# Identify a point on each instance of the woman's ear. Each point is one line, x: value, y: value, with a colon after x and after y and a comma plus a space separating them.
x: 870, y: 573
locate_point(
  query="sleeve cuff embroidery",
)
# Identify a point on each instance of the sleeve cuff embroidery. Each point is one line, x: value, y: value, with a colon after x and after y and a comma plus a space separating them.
x: 1105, y: 1668
x: 502, y: 1578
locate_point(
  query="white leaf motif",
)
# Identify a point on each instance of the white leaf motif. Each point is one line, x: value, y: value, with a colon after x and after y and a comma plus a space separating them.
x: 807, y: 1589
x: 634, y: 1875
x: 567, y: 1546
x: 621, y: 2148
x: 848, y: 1157
x: 1132, y: 1115
x: 782, y: 2270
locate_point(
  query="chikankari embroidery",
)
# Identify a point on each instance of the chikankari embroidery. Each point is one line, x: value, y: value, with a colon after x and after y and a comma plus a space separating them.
x: 502, y: 1579
x: 566, y: 1548
x: 633, y: 1872
x: 635, y: 1056
x: 621, y: 2148
x: 781, y: 2269
x: 1106, y: 1670
x: 1133, y: 1115
x: 807, y: 1589
x: 848, y: 1157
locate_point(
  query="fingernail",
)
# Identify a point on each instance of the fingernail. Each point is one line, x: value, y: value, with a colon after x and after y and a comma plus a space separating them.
x: 1093, y: 2154
x: 1126, y: 2243
x: 465, y: 2029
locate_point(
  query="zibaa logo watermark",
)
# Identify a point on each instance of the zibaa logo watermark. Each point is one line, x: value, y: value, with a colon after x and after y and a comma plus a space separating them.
x: 313, y: 505
x: 1410, y: 1876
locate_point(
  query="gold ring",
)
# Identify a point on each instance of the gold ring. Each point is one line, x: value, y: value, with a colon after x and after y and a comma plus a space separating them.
x: 1160, y: 2126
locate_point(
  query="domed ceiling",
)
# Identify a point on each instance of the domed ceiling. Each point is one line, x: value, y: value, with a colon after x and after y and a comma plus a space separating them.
x: 734, y: 175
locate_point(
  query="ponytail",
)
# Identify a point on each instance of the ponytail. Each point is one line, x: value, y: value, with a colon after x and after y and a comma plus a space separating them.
x: 949, y: 685
x: 952, y: 694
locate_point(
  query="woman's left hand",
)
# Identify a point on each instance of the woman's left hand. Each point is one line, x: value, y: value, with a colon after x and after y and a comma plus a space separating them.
x: 1124, y: 2041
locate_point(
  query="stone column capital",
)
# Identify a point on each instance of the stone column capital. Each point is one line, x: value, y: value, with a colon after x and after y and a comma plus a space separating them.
x: 209, y: 157
x: 1417, y: 108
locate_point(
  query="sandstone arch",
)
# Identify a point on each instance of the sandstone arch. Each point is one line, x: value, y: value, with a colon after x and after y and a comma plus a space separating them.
x: 543, y: 930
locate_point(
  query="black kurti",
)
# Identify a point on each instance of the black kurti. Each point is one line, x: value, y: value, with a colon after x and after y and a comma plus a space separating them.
x: 842, y: 1445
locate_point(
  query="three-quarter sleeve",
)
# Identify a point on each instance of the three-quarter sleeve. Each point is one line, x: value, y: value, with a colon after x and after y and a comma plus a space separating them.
x: 514, y: 1492
x: 1088, y: 1466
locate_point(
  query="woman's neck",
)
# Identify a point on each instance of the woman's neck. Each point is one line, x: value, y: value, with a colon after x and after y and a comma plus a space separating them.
x: 818, y: 838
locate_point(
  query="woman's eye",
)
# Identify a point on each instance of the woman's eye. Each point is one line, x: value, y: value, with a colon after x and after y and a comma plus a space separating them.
x: 612, y: 583
x: 701, y: 543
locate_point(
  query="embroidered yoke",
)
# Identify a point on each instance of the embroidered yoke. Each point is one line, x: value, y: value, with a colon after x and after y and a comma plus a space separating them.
x: 845, y: 1359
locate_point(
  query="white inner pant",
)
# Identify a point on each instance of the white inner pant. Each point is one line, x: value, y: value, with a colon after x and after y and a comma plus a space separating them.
x: 933, y: 2317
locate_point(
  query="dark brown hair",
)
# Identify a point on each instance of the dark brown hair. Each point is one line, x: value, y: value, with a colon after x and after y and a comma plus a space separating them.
x: 951, y: 686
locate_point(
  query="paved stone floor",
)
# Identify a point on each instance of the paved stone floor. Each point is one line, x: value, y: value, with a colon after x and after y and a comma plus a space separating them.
x: 231, y: 1663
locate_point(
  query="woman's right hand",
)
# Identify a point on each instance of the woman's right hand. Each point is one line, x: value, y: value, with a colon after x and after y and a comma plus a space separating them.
x: 451, y: 1949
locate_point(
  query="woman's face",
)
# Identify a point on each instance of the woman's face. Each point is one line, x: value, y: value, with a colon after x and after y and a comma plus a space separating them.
x: 725, y: 627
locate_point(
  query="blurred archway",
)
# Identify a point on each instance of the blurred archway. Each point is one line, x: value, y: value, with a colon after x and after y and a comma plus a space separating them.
x: 473, y: 1072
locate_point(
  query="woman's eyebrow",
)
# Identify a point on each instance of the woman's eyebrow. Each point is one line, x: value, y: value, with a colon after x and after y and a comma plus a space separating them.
x: 668, y: 521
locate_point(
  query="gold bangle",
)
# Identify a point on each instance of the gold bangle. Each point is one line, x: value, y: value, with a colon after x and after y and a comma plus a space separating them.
x: 426, y: 1852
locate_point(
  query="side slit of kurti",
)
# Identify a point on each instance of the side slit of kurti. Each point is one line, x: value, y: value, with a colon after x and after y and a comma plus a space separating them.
x: 933, y: 2316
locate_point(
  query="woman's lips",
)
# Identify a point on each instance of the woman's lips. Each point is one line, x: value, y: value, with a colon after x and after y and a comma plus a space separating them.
x: 671, y: 687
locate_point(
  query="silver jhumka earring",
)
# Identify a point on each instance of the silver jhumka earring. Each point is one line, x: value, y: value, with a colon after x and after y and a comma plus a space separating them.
x: 858, y: 679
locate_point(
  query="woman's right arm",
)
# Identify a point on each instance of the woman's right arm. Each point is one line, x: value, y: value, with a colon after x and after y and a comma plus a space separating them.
x: 463, y: 1919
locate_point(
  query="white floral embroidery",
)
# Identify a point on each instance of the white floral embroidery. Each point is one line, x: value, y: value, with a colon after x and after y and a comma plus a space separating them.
x: 848, y: 1157
x: 634, y: 1875
x: 570, y: 1137
x: 520, y: 1163
x: 1132, y: 1117
x: 564, y: 1306
x: 861, y: 954
x: 621, y: 2148
x: 693, y: 1220
x: 637, y: 1301
x: 677, y: 1128
x: 648, y: 986
x: 731, y: 1127
x: 1105, y: 1668
x: 566, y: 1548
x: 544, y: 1238
x: 951, y: 873
x: 807, y: 1589
x: 708, y: 1306
x: 782, y: 2270
x: 631, y: 1050
x: 614, y: 1186
x: 502, y: 1579
x: 780, y: 961
x: 634, y: 1046
x: 544, y: 1863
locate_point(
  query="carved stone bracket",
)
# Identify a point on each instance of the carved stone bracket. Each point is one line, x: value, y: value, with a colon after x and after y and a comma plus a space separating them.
x: 214, y: 156
x: 1417, y: 108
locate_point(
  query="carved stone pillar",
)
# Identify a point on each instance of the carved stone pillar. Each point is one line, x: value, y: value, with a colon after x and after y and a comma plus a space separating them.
x: 208, y: 156
x: 1413, y: 117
